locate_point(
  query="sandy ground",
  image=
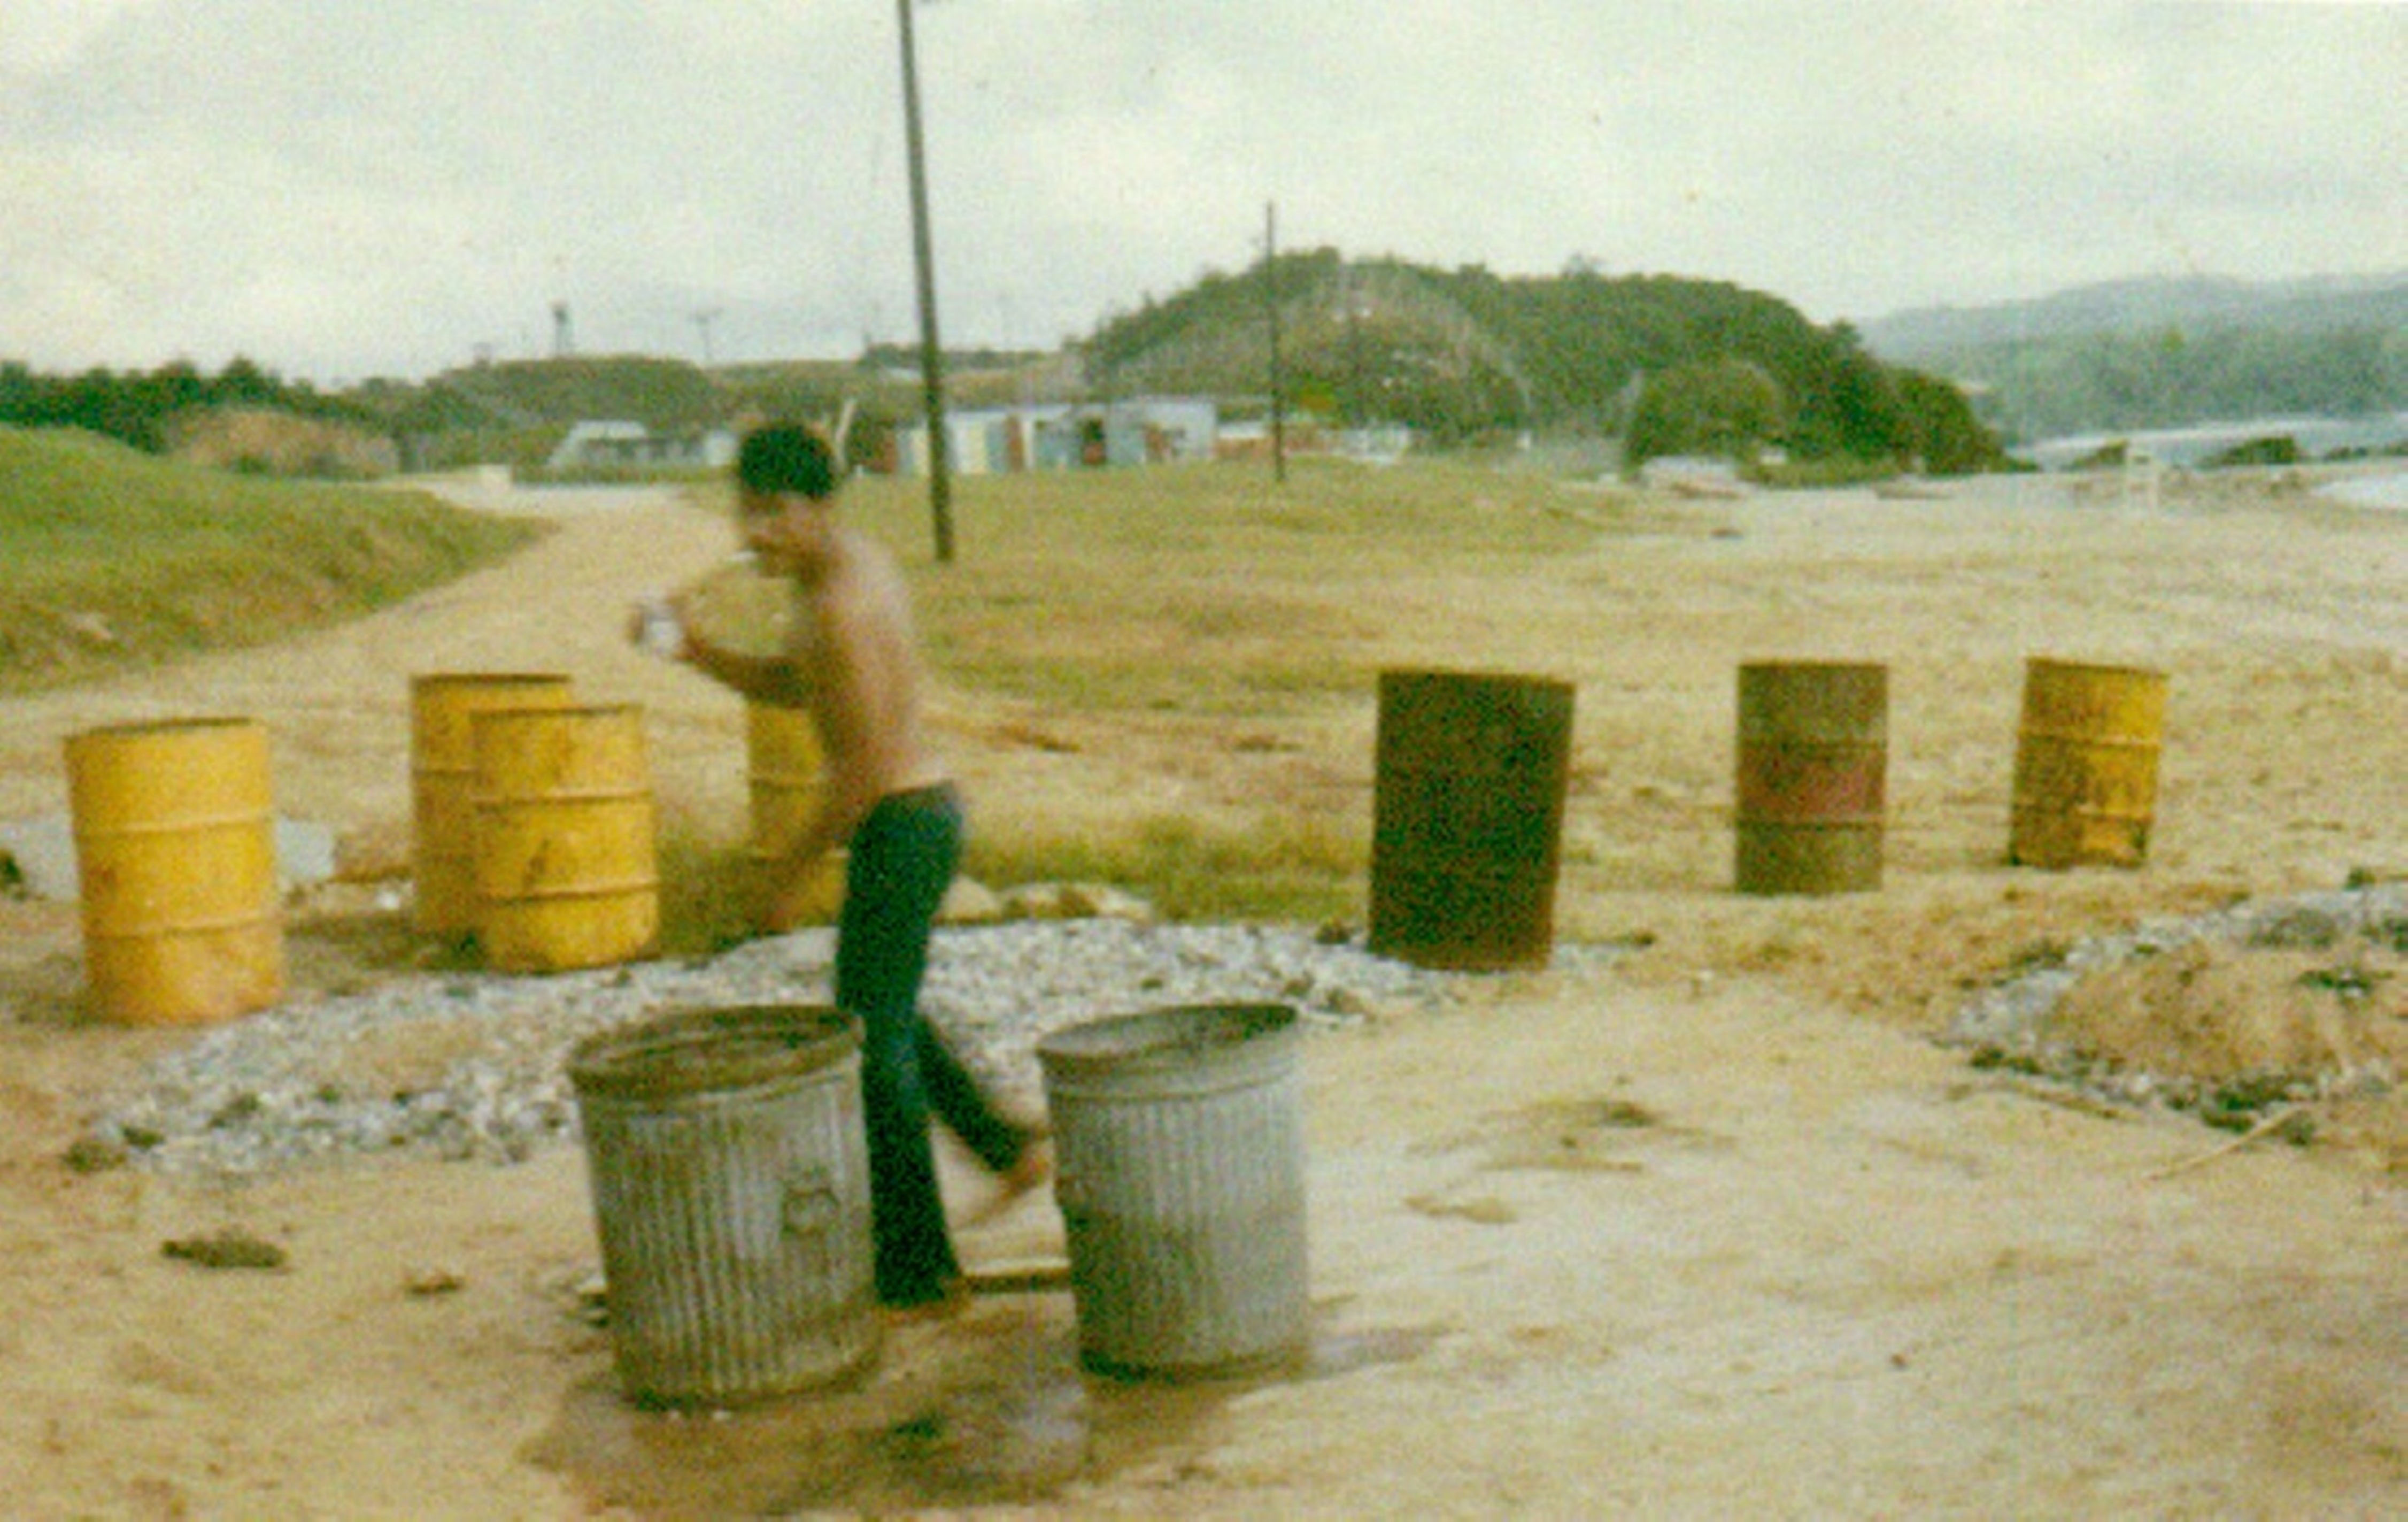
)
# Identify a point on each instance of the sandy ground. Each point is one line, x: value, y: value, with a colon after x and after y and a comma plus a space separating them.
x: 1718, y: 1231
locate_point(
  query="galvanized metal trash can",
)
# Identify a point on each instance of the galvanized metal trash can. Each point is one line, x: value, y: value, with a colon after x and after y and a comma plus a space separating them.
x: 730, y: 1175
x: 1179, y: 1155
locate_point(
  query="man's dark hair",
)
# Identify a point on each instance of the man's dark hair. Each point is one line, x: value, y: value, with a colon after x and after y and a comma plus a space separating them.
x: 785, y: 457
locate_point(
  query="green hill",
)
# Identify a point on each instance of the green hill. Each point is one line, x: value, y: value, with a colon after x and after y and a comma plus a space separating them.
x: 1465, y: 353
x: 110, y: 557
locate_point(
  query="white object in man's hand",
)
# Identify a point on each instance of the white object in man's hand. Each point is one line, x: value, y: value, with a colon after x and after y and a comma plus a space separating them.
x: 656, y: 629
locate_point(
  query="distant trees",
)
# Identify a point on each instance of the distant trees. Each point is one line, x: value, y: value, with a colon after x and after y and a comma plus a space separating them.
x: 141, y: 409
x: 1730, y: 409
x: 2170, y: 376
x: 1942, y: 430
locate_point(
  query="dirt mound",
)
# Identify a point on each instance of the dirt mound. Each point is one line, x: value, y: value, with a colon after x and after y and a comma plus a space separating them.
x: 2213, y: 1009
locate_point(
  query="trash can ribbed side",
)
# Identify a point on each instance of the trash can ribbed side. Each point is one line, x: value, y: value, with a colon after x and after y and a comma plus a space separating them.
x: 730, y: 1175
x: 1178, y: 1147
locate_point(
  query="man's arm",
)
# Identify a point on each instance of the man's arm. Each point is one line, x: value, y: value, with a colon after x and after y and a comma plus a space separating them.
x: 766, y: 679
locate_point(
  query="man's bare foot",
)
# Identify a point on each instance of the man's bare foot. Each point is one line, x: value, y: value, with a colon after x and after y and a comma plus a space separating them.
x: 1034, y: 1169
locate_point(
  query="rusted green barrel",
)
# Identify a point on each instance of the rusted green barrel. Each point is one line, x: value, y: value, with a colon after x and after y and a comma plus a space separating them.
x: 2086, y: 782
x: 1813, y: 749
x: 730, y: 1174
x: 1179, y: 1155
x: 1467, y: 815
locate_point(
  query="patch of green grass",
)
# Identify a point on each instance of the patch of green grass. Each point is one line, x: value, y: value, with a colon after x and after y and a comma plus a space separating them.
x: 1277, y: 866
x: 1203, y: 589
x: 111, y: 558
x: 1281, y: 868
x: 1204, y: 595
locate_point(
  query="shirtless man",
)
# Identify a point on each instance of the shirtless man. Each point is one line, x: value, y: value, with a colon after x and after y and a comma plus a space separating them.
x: 887, y: 800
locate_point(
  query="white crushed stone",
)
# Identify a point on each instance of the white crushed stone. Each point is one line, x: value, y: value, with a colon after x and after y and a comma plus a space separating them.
x: 474, y: 1066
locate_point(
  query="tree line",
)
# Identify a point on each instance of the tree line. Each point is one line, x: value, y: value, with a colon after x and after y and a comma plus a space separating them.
x: 2172, y: 375
x: 136, y: 408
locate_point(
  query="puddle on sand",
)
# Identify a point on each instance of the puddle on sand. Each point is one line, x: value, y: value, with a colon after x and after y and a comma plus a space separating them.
x: 990, y: 1408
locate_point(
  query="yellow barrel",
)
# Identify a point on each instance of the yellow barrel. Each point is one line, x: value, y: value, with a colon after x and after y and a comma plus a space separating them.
x: 175, y: 832
x: 2086, y: 787
x: 443, y: 778
x: 565, y: 863
x: 1813, y: 754
x: 781, y: 750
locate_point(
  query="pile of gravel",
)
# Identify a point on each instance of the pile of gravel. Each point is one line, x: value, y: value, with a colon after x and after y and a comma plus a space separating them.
x: 473, y: 1066
x: 2010, y: 1023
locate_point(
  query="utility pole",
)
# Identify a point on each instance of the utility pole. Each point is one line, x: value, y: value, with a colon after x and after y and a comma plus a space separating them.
x: 932, y: 358
x: 1270, y: 304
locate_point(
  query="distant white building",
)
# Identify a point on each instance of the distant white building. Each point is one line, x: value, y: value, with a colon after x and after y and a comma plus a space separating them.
x: 1063, y: 436
x: 631, y: 445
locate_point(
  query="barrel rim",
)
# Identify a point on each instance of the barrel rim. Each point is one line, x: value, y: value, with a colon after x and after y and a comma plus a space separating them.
x: 143, y: 728
x: 711, y: 1048
x: 1522, y: 680
x: 428, y: 680
x: 2053, y: 663
x: 1175, y: 1035
x: 1813, y: 663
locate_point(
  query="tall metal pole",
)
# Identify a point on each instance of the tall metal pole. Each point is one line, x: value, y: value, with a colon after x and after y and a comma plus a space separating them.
x: 932, y: 358
x: 1279, y: 377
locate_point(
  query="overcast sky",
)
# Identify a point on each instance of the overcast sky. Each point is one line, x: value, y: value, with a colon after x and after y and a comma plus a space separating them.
x: 342, y: 187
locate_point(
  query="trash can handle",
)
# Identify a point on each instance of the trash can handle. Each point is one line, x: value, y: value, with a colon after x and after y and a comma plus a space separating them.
x: 809, y: 1207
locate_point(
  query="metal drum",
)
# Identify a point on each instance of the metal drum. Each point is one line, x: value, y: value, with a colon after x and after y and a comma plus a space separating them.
x: 1467, y: 818
x: 2085, y: 781
x: 1814, y: 750
x: 175, y: 835
x: 784, y: 777
x: 566, y: 858
x: 443, y: 782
